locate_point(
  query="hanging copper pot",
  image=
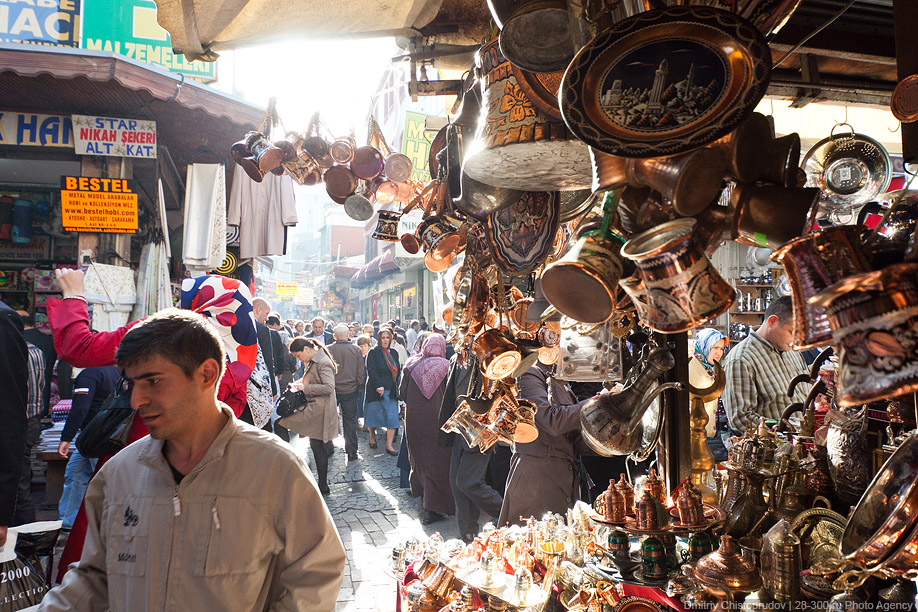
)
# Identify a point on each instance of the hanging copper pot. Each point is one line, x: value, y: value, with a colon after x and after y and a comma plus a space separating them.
x: 340, y: 182
x: 742, y: 148
x: 479, y: 200
x: 367, y: 163
x: 812, y: 263
x: 782, y: 163
x: 535, y: 34
x: 874, y: 316
x: 582, y: 284
x: 438, y: 236
x: 267, y: 156
x: 690, y: 181
x: 684, y: 290
x: 498, y: 356
x: 641, y: 208
x: 398, y: 167
x: 769, y: 216
x: 387, y: 226
x: 342, y: 151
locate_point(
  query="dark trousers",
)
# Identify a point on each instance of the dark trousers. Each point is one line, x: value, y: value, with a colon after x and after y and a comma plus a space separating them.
x: 25, y: 509
x: 467, y: 472
x: 318, y: 451
x: 348, y: 403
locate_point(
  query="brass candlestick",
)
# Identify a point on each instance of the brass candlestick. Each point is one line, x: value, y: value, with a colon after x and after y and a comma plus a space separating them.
x: 702, y: 458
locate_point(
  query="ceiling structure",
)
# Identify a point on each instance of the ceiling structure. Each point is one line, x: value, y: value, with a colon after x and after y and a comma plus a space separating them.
x: 851, y: 61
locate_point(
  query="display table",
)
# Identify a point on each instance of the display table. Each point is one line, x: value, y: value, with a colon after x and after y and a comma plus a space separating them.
x: 46, y: 451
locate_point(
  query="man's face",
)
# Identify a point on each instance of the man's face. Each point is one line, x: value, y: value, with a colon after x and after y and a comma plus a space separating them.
x: 165, y: 398
x: 261, y: 313
x: 318, y: 327
x: 783, y: 335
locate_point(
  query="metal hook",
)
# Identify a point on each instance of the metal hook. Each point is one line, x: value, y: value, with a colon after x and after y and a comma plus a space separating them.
x: 898, y: 127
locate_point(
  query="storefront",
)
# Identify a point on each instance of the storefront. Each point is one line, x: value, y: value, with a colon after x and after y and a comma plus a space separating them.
x: 132, y: 127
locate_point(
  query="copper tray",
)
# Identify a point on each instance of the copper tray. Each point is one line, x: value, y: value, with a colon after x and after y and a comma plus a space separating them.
x: 701, y: 71
x: 541, y: 88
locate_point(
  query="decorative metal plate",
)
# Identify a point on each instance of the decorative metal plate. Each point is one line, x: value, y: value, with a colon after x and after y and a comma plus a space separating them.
x: 541, y: 88
x: 521, y: 235
x: 665, y: 81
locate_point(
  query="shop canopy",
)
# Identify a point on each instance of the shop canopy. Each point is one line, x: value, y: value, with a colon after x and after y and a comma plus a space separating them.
x: 376, y: 268
x: 195, y: 122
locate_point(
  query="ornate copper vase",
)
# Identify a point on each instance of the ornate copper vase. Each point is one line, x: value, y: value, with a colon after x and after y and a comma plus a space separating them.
x: 518, y: 146
x: 874, y: 320
x: 684, y: 290
x: 813, y: 263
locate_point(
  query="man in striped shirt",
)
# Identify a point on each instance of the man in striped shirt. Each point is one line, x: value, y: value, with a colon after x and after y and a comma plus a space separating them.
x: 25, y: 509
x: 760, y: 368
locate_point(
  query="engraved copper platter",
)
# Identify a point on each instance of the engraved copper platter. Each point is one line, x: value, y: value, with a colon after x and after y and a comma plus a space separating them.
x: 665, y: 81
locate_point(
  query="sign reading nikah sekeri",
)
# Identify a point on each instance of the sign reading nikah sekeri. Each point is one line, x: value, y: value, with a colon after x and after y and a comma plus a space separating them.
x: 114, y: 137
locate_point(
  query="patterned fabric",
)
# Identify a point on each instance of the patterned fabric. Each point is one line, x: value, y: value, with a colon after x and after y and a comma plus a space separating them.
x: 390, y: 363
x: 36, y: 380
x: 227, y: 304
x: 258, y: 392
x: 430, y: 366
x: 705, y: 340
x: 757, y: 378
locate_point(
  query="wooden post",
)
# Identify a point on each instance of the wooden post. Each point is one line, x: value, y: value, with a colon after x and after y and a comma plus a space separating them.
x: 905, y: 16
x: 674, y: 448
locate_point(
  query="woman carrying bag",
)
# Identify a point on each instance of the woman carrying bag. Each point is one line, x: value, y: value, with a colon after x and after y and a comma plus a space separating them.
x: 383, y: 370
x: 318, y: 420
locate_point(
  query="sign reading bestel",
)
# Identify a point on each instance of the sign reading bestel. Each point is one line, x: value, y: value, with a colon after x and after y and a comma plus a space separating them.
x: 114, y: 137
x: 99, y: 204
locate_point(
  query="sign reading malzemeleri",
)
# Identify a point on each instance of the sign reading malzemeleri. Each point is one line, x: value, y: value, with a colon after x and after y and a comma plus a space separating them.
x: 114, y: 137
x: 92, y: 204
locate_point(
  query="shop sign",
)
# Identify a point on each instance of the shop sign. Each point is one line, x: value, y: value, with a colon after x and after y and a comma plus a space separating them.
x: 416, y: 144
x: 269, y: 287
x: 38, y: 248
x: 304, y: 297
x: 114, y: 137
x: 53, y: 23
x: 129, y: 28
x: 408, y: 296
x: 90, y: 204
x: 35, y: 130
x: 284, y: 288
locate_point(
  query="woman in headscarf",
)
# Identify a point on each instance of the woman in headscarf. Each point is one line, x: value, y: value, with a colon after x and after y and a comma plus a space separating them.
x: 318, y: 419
x: 422, y: 390
x: 381, y: 409
x: 710, y: 345
x: 422, y: 337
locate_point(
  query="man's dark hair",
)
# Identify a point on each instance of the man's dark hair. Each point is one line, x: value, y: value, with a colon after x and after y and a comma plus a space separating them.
x: 783, y: 308
x: 414, y: 324
x: 424, y: 326
x: 183, y: 337
x: 27, y: 320
x: 272, y: 320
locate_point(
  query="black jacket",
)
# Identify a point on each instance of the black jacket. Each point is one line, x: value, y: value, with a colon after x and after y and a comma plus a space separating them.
x: 267, y: 351
x: 379, y: 375
x: 90, y: 390
x: 457, y: 384
x: 14, y: 380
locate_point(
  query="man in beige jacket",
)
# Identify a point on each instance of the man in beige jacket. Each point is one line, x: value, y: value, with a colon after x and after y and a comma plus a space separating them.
x: 207, y: 513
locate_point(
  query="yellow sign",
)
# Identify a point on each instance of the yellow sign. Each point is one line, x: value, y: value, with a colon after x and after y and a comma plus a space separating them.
x: 98, y: 205
x: 416, y: 145
x: 287, y: 288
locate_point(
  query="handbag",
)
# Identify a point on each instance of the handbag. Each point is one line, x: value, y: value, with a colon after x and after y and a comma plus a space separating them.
x: 107, y: 432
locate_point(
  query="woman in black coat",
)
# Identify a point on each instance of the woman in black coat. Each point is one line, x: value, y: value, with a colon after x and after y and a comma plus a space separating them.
x: 383, y: 371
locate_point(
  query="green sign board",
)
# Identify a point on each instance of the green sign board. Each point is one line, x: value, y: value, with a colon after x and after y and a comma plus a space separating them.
x: 129, y: 28
x: 416, y: 144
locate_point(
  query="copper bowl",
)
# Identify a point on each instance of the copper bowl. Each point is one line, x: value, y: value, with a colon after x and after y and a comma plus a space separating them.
x: 340, y: 182
x: 726, y: 567
x: 887, y: 510
x: 498, y: 356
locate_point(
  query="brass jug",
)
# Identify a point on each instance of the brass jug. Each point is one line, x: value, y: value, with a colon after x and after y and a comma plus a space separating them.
x: 611, y: 424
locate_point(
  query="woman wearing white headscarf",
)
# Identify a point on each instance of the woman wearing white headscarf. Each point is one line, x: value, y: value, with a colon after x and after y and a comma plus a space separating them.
x: 710, y: 346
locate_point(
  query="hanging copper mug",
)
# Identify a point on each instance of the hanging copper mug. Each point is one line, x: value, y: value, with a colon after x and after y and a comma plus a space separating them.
x: 358, y: 207
x: 813, y: 263
x: 387, y: 226
x: 634, y: 287
x: 782, y: 161
x: 438, y: 236
x: 479, y: 200
x: 534, y: 34
x: 690, y: 181
x: 341, y: 151
x: 517, y: 146
x: 498, y: 356
x: 874, y: 320
x: 684, y: 290
x: 641, y: 208
x: 340, y: 182
x: 742, y: 148
x: 367, y: 163
x: 582, y: 284
x: 304, y: 169
x: 769, y: 216
x: 267, y: 156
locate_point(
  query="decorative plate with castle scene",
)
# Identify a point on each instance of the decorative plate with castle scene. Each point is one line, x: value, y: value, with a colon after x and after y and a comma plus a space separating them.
x: 665, y: 81
x: 521, y: 236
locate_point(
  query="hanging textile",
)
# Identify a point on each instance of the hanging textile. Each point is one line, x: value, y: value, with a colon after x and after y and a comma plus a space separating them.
x: 262, y: 211
x: 204, y: 246
x: 111, y: 292
x: 154, y: 290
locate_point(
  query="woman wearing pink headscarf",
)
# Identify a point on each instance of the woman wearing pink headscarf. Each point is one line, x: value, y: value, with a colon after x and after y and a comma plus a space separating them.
x: 422, y: 391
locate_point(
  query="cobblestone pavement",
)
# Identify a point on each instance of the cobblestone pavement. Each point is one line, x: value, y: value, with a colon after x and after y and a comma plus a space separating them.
x: 372, y: 515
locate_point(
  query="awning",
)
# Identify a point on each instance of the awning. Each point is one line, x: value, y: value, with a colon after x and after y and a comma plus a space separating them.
x: 199, y: 27
x: 188, y: 115
x: 376, y: 268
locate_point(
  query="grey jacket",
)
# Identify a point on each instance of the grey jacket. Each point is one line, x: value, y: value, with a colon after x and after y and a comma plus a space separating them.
x: 351, y: 367
x: 246, y: 529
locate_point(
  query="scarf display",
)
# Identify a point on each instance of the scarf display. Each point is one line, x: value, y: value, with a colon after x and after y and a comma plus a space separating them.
x: 204, y: 247
x: 705, y: 339
x: 430, y: 366
x: 227, y: 304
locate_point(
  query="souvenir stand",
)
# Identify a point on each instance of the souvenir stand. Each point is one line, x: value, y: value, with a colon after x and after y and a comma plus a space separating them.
x: 574, y: 204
